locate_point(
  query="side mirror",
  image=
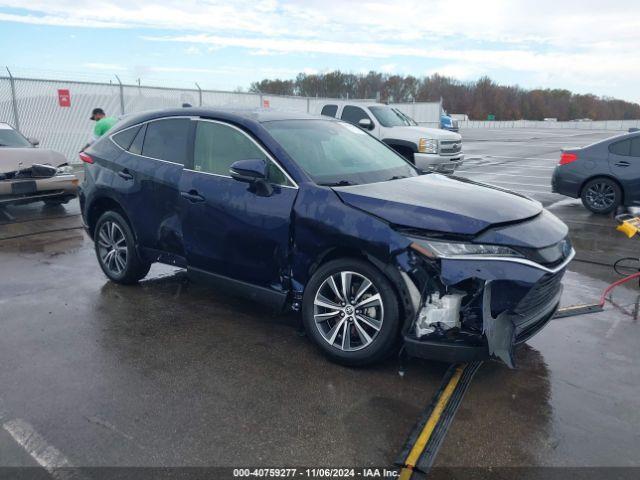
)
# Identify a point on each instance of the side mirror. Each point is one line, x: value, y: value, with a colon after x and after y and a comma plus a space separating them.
x: 365, y: 123
x: 248, y: 171
x: 33, y: 141
x: 255, y: 173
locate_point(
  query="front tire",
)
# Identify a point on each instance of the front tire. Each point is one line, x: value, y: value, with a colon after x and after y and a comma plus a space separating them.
x: 116, y: 250
x: 351, y: 313
x: 601, y: 195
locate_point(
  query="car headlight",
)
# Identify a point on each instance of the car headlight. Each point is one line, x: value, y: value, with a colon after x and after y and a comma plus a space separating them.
x: 428, y: 145
x: 64, y: 170
x: 444, y: 249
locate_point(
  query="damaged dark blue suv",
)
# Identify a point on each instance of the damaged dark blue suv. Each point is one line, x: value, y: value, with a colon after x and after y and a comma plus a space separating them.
x: 313, y: 214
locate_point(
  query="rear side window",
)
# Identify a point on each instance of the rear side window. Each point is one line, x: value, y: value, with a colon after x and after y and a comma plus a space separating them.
x: 218, y: 146
x: 136, y: 144
x: 353, y: 114
x: 329, y: 111
x: 621, y: 148
x: 125, y: 137
x: 167, y: 140
x: 635, y: 147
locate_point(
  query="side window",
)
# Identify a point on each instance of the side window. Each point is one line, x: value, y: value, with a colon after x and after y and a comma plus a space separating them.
x: 125, y: 137
x: 218, y: 146
x: 635, y: 147
x: 353, y: 114
x: 621, y: 148
x: 136, y: 144
x: 329, y: 111
x: 167, y: 140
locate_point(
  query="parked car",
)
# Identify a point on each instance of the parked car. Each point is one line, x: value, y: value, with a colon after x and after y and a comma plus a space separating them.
x: 447, y: 122
x: 29, y: 174
x: 426, y: 148
x: 605, y: 175
x: 314, y: 215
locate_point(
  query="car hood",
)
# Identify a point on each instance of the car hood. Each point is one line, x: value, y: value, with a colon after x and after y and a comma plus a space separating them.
x: 12, y: 159
x: 439, y: 203
x: 425, y: 132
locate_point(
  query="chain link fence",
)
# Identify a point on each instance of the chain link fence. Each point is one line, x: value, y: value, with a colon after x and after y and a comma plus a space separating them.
x: 613, y: 125
x: 56, y: 112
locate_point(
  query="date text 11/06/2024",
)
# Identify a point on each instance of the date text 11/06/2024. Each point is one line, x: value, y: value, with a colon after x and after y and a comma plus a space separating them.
x: 315, y: 473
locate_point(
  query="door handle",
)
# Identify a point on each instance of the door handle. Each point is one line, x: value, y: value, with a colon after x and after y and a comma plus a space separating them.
x: 193, y: 196
x: 125, y: 174
x: 622, y: 163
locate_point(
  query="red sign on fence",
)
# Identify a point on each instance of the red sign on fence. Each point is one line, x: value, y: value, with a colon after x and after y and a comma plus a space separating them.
x: 265, y: 103
x: 64, y: 98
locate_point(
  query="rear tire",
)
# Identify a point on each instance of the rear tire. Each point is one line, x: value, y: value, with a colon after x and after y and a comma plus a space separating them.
x: 601, y: 195
x: 115, y: 248
x: 358, y: 331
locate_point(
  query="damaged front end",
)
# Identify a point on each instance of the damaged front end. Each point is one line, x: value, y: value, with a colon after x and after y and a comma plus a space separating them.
x: 474, y: 301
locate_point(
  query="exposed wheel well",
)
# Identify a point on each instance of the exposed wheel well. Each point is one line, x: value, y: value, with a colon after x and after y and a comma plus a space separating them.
x: 101, y: 205
x: 613, y: 179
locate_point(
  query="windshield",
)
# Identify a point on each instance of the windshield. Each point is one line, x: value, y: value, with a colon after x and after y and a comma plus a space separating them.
x: 410, y: 121
x: 10, y: 138
x: 391, y: 117
x: 337, y: 153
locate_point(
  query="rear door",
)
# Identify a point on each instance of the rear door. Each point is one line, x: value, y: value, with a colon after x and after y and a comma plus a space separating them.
x: 329, y: 110
x: 147, y: 182
x: 230, y: 231
x: 624, y: 162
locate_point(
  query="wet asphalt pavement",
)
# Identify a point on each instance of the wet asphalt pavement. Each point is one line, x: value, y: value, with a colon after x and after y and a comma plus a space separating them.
x: 170, y: 373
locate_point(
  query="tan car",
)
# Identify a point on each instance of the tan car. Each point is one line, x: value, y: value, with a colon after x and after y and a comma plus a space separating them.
x: 29, y: 174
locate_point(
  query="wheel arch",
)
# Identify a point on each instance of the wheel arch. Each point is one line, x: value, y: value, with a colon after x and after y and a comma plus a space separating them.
x: 401, y: 146
x: 101, y: 205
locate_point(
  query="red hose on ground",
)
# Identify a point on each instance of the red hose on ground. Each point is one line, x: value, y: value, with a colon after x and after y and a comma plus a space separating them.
x: 614, y: 285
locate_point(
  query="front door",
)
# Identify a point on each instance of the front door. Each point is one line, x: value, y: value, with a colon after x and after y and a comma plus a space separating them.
x: 229, y: 230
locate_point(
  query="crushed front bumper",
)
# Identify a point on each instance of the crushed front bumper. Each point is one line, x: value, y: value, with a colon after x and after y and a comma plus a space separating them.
x: 507, y: 302
x: 27, y: 190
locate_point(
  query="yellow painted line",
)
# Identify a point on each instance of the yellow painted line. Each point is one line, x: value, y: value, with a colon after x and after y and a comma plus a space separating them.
x: 427, y: 431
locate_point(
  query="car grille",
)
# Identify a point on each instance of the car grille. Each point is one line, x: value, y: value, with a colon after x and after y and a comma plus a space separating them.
x: 450, y: 147
x: 537, y: 300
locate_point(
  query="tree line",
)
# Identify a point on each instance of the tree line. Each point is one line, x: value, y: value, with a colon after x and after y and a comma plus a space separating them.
x: 478, y: 99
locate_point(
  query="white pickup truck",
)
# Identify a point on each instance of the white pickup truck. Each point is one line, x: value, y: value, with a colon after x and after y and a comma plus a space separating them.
x: 427, y: 148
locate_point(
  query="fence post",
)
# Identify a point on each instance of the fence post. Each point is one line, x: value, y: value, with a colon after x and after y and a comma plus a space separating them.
x: 121, y: 95
x: 14, y: 101
x: 308, y: 105
x: 199, y: 94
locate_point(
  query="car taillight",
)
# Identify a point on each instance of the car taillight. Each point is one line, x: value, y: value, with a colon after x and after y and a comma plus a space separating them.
x: 86, y: 158
x: 567, y: 158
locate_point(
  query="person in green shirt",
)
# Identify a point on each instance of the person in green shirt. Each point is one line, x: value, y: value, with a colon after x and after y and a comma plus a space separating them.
x: 102, y: 126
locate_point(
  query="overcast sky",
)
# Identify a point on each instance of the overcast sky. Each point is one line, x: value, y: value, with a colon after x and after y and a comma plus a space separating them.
x: 584, y: 46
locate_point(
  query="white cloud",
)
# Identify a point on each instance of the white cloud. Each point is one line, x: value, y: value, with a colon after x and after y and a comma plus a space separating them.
x: 192, y: 50
x: 551, y: 42
x: 388, y: 68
